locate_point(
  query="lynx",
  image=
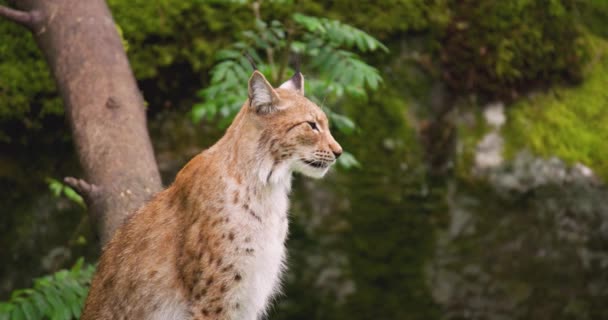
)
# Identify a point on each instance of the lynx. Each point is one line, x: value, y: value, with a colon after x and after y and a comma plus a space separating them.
x: 211, y: 246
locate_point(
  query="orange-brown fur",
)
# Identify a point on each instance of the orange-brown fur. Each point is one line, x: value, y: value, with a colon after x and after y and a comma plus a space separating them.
x: 199, y: 248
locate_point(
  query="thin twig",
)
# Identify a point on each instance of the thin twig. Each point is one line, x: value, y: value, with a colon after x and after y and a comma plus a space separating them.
x: 286, y: 54
x: 298, y: 63
x: 27, y: 19
x: 255, y: 6
x: 88, y: 191
x: 250, y: 58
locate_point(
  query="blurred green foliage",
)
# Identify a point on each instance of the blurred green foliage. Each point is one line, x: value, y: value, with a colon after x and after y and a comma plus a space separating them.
x: 57, y: 296
x: 495, y: 48
x: 27, y: 92
x: 392, y: 219
x: 593, y: 14
x: 387, y: 18
x: 501, y: 48
x: 324, y: 46
x: 167, y: 32
x: 317, y: 41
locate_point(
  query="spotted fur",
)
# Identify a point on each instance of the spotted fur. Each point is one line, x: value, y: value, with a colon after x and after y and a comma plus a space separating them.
x: 211, y: 246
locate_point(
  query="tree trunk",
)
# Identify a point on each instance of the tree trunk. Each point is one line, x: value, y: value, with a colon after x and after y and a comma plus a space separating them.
x: 104, y: 106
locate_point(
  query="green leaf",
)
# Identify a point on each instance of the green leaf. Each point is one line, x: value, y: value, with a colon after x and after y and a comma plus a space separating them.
x: 348, y: 161
x: 343, y: 123
x: 17, y: 314
x: 6, y: 310
x: 61, y: 275
x: 72, y: 299
x: 51, y: 296
x: 18, y: 293
x: 328, y: 44
x: 78, y: 265
x: 58, y: 296
x: 40, y: 303
x: 62, y: 313
x: 58, y: 189
x: 338, y: 33
x: 29, y: 311
x: 76, y: 308
x: 298, y: 47
x: 227, y: 54
x: 43, y: 282
x: 55, y: 186
x: 73, y: 195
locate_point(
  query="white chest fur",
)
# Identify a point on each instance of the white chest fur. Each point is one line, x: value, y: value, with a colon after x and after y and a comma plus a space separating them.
x: 259, y: 224
x: 262, y: 227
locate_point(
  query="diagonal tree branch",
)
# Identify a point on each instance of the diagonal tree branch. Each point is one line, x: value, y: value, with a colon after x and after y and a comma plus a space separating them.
x: 102, y: 103
x: 28, y: 19
x: 89, y: 192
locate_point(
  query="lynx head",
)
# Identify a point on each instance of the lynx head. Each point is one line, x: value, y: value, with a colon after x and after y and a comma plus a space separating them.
x: 294, y: 132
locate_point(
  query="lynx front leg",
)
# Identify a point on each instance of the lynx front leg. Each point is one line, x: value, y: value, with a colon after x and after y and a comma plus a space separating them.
x: 213, y: 310
x: 202, y: 312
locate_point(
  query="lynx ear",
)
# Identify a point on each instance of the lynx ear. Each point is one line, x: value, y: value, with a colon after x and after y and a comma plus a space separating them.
x: 296, y: 83
x: 262, y: 97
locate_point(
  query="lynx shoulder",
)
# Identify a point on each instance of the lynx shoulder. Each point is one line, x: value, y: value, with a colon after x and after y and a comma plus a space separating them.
x: 211, y: 246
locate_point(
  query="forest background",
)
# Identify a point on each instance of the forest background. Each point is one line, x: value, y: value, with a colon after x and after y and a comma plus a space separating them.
x: 475, y: 182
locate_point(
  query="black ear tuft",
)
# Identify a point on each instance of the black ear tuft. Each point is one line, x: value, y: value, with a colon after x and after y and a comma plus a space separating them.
x: 251, y: 61
x: 295, y: 83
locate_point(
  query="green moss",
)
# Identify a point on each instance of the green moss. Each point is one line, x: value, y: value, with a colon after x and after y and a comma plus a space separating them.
x: 499, y: 48
x: 27, y: 91
x: 169, y: 32
x: 568, y: 122
x: 391, y: 236
x: 469, y: 135
x: 179, y: 38
x: 171, y: 46
x: 594, y: 15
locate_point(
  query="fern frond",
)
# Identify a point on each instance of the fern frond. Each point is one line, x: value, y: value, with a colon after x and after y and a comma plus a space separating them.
x: 334, y: 70
x: 344, y: 72
x: 338, y: 33
x: 226, y: 93
x: 57, y: 296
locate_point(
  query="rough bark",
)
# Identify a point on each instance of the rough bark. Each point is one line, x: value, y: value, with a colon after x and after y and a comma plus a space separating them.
x: 103, y: 104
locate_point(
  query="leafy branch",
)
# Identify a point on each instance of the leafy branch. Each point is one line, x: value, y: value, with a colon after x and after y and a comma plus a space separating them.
x: 340, y: 34
x: 57, y: 296
x: 326, y: 46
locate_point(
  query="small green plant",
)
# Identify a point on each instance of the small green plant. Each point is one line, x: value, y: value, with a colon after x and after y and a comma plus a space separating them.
x: 325, y: 46
x: 59, y: 189
x: 57, y: 296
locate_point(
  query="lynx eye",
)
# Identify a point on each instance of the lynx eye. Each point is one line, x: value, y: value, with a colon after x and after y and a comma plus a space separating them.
x: 313, y: 125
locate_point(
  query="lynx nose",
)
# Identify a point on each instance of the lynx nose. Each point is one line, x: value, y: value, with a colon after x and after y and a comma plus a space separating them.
x: 337, y: 153
x: 335, y: 147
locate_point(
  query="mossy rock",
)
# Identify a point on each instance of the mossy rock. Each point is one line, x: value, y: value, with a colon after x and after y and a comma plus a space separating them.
x: 567, y: 122
x: 502, y: 48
